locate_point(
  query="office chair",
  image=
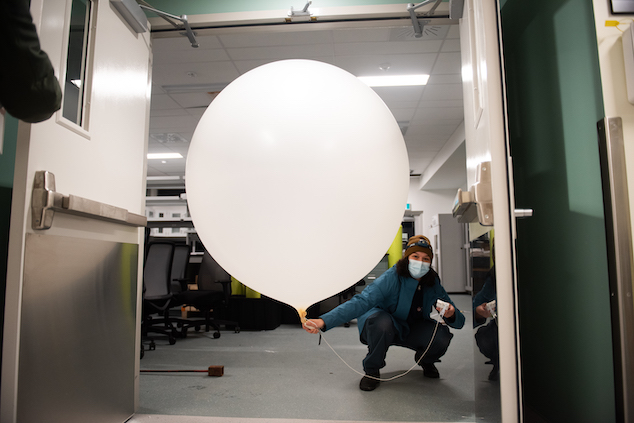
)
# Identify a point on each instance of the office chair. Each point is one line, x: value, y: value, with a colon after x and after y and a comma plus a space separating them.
x: 180, y: 260
x: 212, y: 295
x: 157, y: 296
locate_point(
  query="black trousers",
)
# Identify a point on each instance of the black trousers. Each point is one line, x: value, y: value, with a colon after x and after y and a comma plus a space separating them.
x: 379, y: 334
x: 487, y: 341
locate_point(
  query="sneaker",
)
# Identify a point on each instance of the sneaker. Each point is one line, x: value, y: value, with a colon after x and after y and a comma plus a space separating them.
x: 369, y: 383
x: 429, y: 370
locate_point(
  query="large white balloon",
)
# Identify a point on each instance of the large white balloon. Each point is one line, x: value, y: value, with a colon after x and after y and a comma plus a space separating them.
x: 297, y: 179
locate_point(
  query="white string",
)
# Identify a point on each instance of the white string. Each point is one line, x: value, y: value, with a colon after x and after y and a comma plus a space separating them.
x: 374, y: 377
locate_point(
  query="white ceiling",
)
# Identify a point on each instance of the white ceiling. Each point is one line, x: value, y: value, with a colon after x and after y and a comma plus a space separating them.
x: 183, y: 78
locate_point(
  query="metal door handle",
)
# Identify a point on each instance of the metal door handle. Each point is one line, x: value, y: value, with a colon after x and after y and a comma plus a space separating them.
x: 523, y: 213
x: 45, y: 201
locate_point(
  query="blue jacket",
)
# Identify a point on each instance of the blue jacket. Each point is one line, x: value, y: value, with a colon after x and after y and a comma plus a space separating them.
x: 394, y: 294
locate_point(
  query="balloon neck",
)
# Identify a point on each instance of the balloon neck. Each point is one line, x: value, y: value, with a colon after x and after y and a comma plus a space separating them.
x: 302, y: 314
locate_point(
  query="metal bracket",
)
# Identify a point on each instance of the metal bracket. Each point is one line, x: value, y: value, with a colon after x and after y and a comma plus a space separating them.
x: 482, y: 194
x: 183, y: 18
x: 464, y: 207
x: 304, y: 12
x: 476, y: 205
x: 45, y: 201
x: 411, y: 8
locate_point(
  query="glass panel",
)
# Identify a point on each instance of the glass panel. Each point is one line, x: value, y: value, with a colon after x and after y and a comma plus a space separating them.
x: 75, y: 81
x: 485, y: 329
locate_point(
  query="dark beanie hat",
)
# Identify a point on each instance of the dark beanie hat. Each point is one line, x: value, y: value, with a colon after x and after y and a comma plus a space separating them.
x: 418, y: 243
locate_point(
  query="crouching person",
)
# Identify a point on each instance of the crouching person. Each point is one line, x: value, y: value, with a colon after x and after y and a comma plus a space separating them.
x: 395, y: 310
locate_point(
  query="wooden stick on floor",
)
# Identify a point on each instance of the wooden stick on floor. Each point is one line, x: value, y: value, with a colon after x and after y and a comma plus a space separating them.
x: 211, y: 371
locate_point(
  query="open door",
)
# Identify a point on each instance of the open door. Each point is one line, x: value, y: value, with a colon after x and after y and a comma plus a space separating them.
x: 489, y: 204
x: 70, y: 343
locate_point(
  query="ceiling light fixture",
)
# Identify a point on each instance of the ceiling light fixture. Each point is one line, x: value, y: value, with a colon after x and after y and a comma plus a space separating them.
x: 394, y: 80
x: 163, y: 156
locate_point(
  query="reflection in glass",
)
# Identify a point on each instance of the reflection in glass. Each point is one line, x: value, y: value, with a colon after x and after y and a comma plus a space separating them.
x: 75, y: 81
x: 485, y: 327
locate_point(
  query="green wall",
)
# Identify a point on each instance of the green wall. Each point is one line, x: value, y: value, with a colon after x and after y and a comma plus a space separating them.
x: 555, y: 100
x: 7, y: 165
x: 7, y: 158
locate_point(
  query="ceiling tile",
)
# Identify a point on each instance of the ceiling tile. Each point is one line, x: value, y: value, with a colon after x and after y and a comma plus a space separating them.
x: 439, y: 113
x: 448, y: 63
x: 452, y: 45
x: 361, y: 35
x: 196, y: 112
x: 157, y: 89
x: 399, y: 94
x: 428, y: 132
x: 192, y: 56
x: 275, y: 39
x: 403, y: 115
x: 163, y: 102
x: 176, y: 123
x: 169, y: 112
x: 429, y: 32
x: 188, y: 100
x: 246, y: 65
x: 281, y: 52
x: 443, y: 92
x: 399, y: 47
x: 440, y: 103
x: 181, y: 43
x: 454, y: 31
x: 397, y: 64
x: 206, y: 73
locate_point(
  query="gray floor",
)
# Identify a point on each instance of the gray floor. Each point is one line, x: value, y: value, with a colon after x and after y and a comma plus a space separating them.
x: 271, y: 376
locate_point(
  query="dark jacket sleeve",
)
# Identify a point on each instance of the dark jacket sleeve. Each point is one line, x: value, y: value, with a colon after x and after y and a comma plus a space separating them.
x: 378, y: 293
x: 29, y: 89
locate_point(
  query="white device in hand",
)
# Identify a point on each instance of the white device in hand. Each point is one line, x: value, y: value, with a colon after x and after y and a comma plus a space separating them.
x: 491, y: 306
x: 443, y: 306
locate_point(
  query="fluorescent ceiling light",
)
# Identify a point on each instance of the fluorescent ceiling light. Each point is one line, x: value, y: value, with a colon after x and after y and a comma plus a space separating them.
x: 394, y: 80
x: 164, y: 178
x: 151, y: 156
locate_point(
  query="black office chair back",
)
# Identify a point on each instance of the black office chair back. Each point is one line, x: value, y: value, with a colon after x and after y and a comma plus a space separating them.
x: 210, y: 273
x: 157, y: 270
x: 179, y: 268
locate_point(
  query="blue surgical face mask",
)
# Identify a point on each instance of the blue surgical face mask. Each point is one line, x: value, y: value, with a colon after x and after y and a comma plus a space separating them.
x: 418, y: 268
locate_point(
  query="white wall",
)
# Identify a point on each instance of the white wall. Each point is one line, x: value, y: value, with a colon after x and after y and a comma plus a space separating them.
x: 430, y: 202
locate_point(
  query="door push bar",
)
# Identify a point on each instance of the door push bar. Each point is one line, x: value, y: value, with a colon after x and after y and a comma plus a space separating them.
x: 476, y: 205
x: 45, y: 201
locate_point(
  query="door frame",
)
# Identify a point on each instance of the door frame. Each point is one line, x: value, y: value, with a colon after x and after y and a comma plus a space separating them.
x: 397, y: 15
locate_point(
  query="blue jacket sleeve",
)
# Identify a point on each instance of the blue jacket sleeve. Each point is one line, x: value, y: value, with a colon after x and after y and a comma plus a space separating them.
x: 378, y: 293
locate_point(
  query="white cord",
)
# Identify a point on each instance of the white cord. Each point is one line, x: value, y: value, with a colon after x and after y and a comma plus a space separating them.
x: 373, y: 377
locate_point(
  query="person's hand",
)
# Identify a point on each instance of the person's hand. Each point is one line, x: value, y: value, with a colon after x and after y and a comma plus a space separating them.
x: 313, y: 325
x: 482, y: 311
x: 449, y: 312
